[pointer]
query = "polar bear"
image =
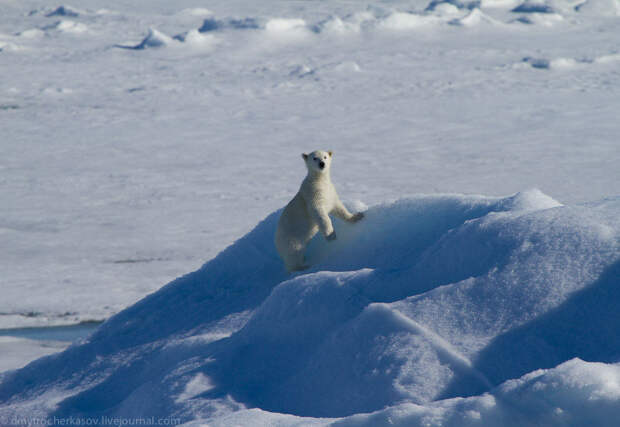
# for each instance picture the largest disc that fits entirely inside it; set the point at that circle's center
(309, 211)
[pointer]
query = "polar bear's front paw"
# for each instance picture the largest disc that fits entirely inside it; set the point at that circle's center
(331, 236)
(357, 217)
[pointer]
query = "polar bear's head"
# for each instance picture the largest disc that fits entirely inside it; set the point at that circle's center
(318, 161)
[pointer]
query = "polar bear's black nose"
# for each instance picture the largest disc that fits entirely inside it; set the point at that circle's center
(321, 164)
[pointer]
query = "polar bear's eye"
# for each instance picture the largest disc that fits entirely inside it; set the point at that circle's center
(324, 157)
(315, 159)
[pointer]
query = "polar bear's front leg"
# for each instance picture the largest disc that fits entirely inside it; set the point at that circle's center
(324, 223)
(341, 212)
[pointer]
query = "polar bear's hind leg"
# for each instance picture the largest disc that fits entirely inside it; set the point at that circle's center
(292, 253)
(294, 259)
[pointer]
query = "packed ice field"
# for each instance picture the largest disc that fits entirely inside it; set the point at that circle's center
(138, 140)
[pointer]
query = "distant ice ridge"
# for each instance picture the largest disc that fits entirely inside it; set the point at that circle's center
(437, 13)
(440, 307)
(373, 19)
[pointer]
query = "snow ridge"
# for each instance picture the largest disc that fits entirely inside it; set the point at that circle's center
(427, 301)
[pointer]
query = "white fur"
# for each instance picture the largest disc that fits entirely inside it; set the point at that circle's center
(309, 211)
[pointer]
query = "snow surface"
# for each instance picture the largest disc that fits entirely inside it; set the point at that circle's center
(445, 308)
(138, 139)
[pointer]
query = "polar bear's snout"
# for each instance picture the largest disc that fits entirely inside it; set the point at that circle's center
(321, 164)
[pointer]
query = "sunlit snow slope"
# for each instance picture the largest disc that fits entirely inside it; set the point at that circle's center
(427, 299)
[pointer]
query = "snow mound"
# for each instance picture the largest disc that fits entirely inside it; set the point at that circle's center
(214, 24)
(286, 30)
(33, 33)
(352, 23)
(543, 63)
(67, 26)
(533, 7)
(474, 18)
(64, 11)
(499, 4)
(284, 25)
(441, 308)
(607, 59)
(348, 67)
(195, 38)
(574, 393)
(445, 9)
(153, 39)
(569, 63)
(157, 39)
(435, 4)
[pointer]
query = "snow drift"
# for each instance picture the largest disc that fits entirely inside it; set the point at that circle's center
(433, 307)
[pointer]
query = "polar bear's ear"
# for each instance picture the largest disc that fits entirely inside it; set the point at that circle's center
(330, 152)
(304, 156)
